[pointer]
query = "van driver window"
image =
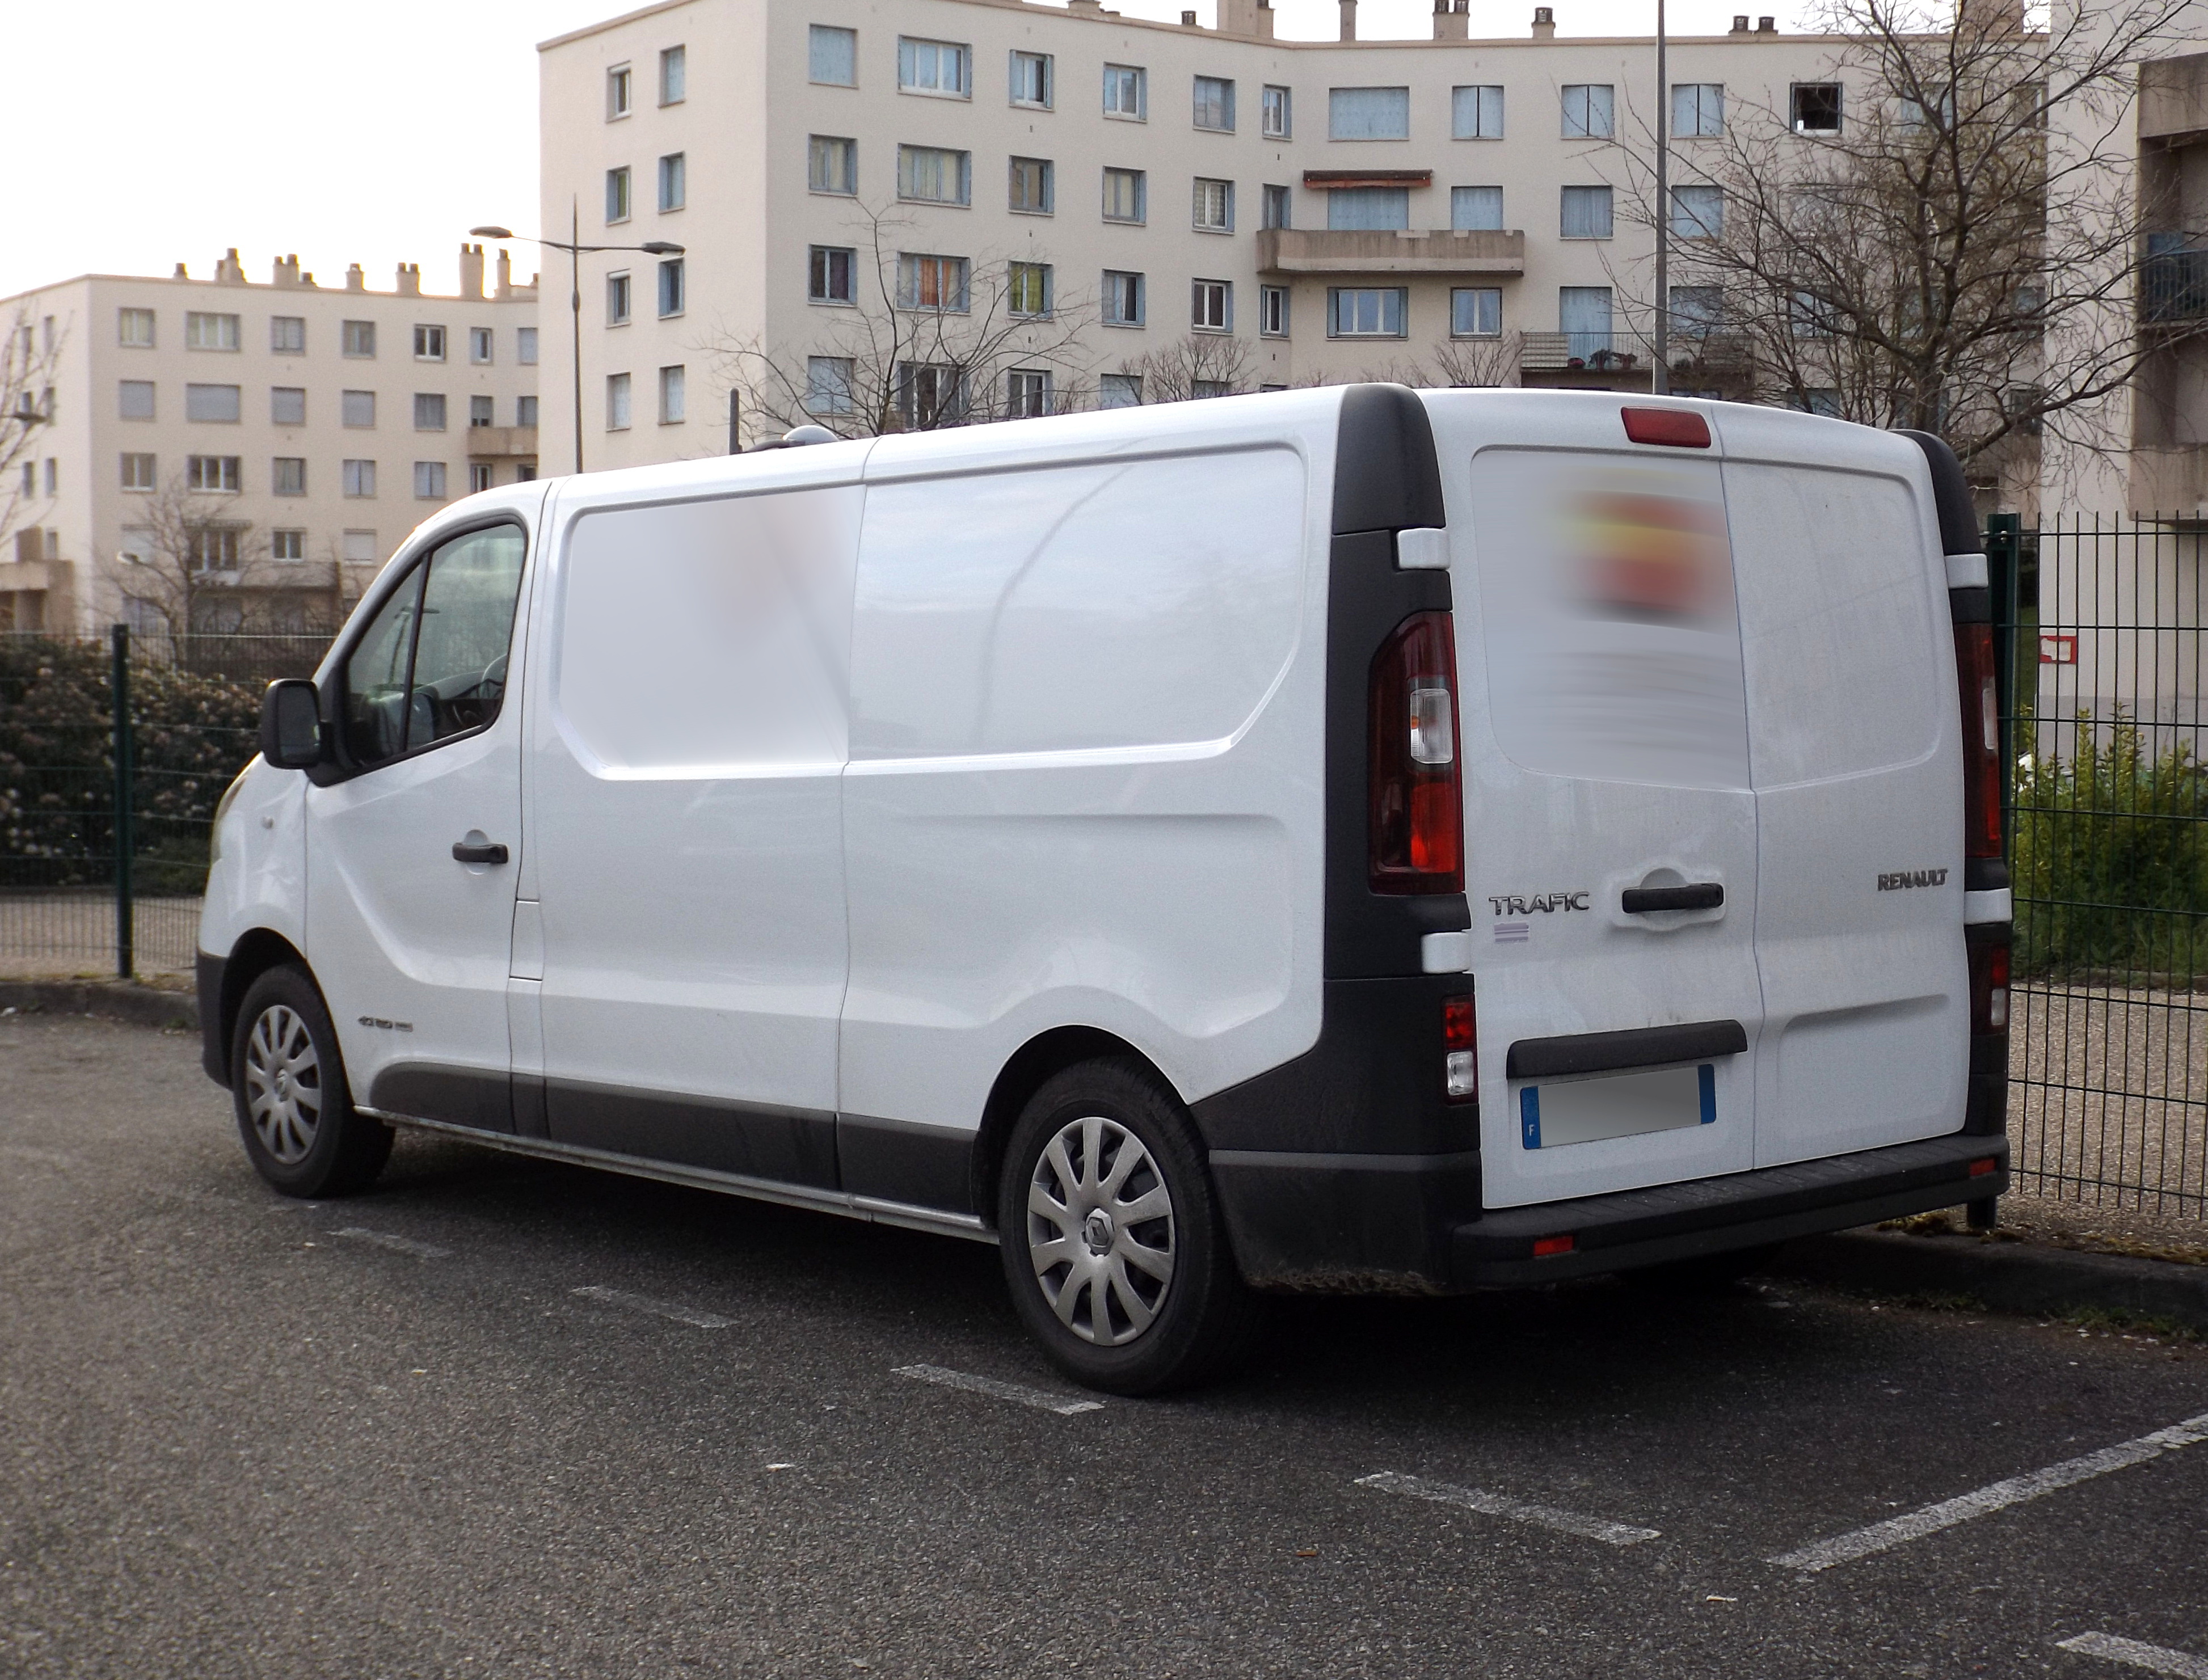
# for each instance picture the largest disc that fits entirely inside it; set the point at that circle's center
(433, 663)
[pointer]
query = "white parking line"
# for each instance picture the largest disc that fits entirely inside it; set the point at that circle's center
(674, 1310)
(2155, 1659)
(1041, 1400)
(397, 1244)
(1897, 1531)
(1518, 1510)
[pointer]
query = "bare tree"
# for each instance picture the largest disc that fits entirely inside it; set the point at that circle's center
(1956, 250)
(198, 570)
(1200, 364)
(1470, 361)
(928, 342)
(27, 363)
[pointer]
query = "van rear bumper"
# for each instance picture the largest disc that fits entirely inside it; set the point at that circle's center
(1366, 1224)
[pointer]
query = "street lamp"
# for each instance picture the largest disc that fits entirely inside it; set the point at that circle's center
(574, 248)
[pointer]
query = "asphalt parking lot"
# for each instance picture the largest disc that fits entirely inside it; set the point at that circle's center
(508, 1418)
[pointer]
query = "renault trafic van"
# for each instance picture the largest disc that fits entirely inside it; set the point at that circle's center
(1343, 840)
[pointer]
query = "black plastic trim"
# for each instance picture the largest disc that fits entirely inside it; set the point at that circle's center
(1386, 476)
(214, 1044)
(1974, 605)
(1354, 1224)
(895, 1160)
(795, 1146)
(1985, 874)
(1648, 900)
(1951, 496)
(474, 1097)
(1635, 1046)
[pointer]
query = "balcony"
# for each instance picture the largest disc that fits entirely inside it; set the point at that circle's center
(2174, 283)
(1592, 352)
(1289, 250)
(501, 443)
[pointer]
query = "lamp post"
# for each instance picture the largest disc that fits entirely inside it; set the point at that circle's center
(574, 248)
(1660, 376)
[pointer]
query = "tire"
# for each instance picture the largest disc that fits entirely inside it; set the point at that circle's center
(295, 1112)
(1112, 1243)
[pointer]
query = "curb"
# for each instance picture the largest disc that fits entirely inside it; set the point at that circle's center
(2006, 1277)
(142, 1005)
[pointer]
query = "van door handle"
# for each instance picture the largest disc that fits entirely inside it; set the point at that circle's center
(1696, 896)
(490, 851)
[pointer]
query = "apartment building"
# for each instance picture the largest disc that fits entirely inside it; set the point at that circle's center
(285, 435)
(1088, 195)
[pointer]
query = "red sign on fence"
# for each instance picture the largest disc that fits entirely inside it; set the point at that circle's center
(2057, 650)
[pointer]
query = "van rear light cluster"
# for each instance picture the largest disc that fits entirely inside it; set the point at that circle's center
(1974, 673)
(1460, 1050)
(1415, 833)
(1990, 987)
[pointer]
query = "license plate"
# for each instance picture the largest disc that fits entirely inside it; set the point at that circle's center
(1617, 1105)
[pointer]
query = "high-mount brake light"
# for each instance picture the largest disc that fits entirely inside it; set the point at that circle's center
(1460, 1050)
(1415, 825)
(1680, 428)
(1974, 675)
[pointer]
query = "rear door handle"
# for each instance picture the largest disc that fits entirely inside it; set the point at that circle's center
(490, 851)
(1696, 896)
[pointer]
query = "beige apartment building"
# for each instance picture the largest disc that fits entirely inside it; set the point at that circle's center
(251, 451)
(1093, 207)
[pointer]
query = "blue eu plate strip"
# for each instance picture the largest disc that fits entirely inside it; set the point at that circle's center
(1706, 1077)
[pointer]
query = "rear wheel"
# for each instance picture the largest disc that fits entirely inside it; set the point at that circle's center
(1111, 1239)
(295, 1112)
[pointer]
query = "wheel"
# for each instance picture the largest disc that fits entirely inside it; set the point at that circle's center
(1111, 1239)
(294, 1110)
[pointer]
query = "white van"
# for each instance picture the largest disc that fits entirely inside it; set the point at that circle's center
(1349, 840)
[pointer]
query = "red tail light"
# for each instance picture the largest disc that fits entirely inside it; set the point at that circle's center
(1415, 831)
(1460, 1050)
(1974, 673)
(1990, 988)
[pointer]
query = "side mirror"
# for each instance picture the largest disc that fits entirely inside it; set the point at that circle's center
(291, 724)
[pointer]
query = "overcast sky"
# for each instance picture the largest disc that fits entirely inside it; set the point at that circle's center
(377, 134)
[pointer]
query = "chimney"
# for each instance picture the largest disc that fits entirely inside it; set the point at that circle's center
(410, 280)
(505, 275)
(1249, 19)
(1544, 23)
(355, 280)
(1348, 20)
(471, 271)
(1188, 19)
(1085, 8)
(182, 273)
(1740, 23)
(1265, 19)
(1767, 25)
(1450, 24)
(230, 271)
(286, 271)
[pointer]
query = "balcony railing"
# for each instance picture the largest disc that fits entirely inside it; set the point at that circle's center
(2174, 284)
(1295, 250)
(1596, 352)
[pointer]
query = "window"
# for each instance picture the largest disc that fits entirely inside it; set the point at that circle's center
(1475, 312)
(1697, 109)
(1369, 208)
(53, 476)
(360, 548)
(829, 268)
(672, 287)
(357, 339)
(524, 411)
(617, 402)
(617, 91)
(1809, 315)
(1583, 317)
(672, 183)
(357, 407)
(1697, 213)
(525, 346)
(287, 405)
(428, 411)
(1120, 390)
(1476, 113)
(1214, 104)
(828, 384)
(1124, 196)
(1273, 311)
(1696, 310)
(1211, 306)
(287, 335)
(1365, 312)
(287, 476)
(134, 328)
(1032, 76)
(1212, 206)
(479, 476)
(616, 300)
(672, 381)
(1028, 289)
(1815, 399)
(1589, 110)
(1816, 107)
(358, 478)
(212, 547)
(1200, 388)
(934, 175)
(1368, 113)
(1586, 212)
(204, 331)
(134, 399)
(617, 193)
(481, 412)
(1273, 209)
(939, 69)
(930, 394)
(831, 164)
(1938, 113)
(674, 76)
(1126, 92)
(1476, 209)
(1277, 115)
(479, 346)
(932, 283)
(217, 403)
(1033, 189)
(1123, 298)
(211, 472)
(431, 664)
(1027, 393)
(428, 344)
(831, 56)
(138, 473)
(287, 544)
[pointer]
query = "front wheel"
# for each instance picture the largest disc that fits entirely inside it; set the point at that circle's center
(1113, 1242)
(295, 1112)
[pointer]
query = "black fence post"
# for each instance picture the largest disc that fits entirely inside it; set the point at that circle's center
(2004, 557)
(125, 842)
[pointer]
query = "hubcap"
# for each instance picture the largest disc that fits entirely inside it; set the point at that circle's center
(1100, 1231)
(283, 1083)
